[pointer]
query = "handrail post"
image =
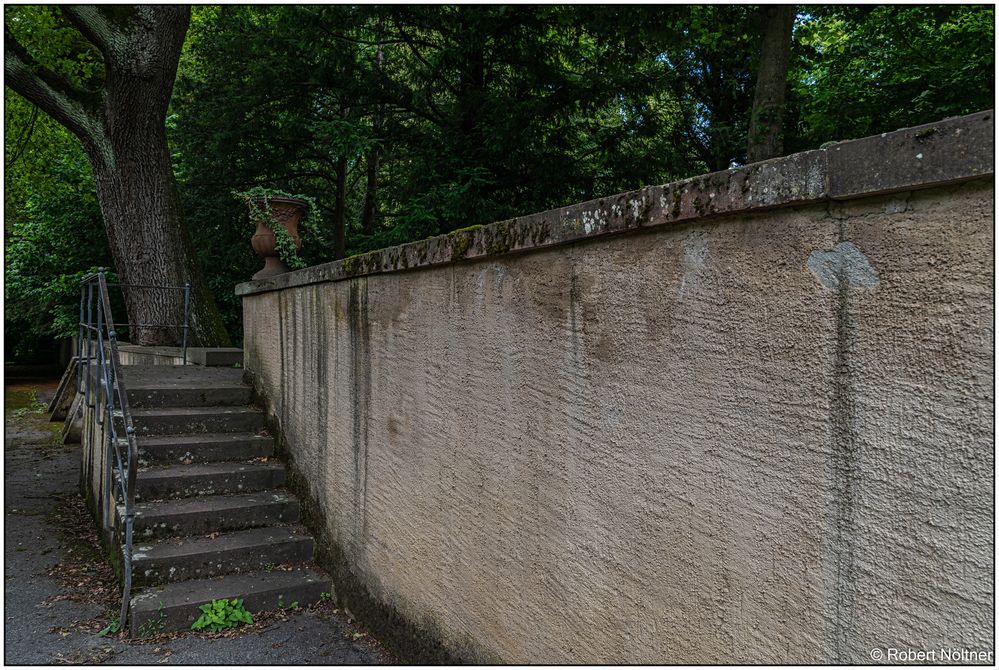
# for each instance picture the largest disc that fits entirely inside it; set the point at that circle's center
(79, 342)
(108, 502)
(90, 332)
(127, 558)
(100, 391)
(187, 312)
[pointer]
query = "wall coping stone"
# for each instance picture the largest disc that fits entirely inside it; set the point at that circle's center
(950, 151)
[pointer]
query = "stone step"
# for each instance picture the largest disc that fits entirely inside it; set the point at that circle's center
(188, 420)
(204, 447)
(184, 386)
(208, 514)
(205, 479)
(188, 396)
(139, 376)
(195, 557)
(174, 606)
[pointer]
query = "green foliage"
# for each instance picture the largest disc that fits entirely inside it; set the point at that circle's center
(478, 113)
(54, 232)
(34, 406)
(221, 614)
(871, 69)
(481, 113)
(46, 33)
(152, 626)
(711, 64)
(111, 628)
(258, 202)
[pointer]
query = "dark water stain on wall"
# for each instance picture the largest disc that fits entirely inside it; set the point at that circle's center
(322, 381)
(843, 269)
(283, 363)
(361, 397)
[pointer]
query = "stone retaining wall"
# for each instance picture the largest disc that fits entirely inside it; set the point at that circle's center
(746, 417)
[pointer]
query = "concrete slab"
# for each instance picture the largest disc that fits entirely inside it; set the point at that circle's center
(184, 386)
(178, 420)
(207, 479)
(175, 606)
(181, 558)
(204, 448)
(206, 514)
(58, 407)
(174, 376)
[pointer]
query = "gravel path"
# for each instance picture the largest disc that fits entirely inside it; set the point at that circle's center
(59, 592)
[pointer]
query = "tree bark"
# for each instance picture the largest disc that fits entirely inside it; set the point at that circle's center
(370, 210)
(340, 211)
(766, 123)
(122, 130)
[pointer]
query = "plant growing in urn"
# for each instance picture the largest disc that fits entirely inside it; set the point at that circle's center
(276, 215)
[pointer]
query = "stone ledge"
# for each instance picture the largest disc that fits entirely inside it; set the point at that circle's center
(945, 152)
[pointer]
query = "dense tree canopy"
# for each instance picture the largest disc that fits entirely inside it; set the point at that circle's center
(408, 121)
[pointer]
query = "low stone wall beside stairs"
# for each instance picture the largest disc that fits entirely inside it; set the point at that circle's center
(742, 418)
(133, 354)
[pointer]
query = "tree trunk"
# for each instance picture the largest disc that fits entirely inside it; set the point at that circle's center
(370, 210)
(150, 242)
(766, 123)
(471, 87)
(370, 194)
(122, 129)
(340, 211)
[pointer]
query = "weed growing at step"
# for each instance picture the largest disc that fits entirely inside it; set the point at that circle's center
(218, 615)
(34, 406)
(111, 628)
(153, 626)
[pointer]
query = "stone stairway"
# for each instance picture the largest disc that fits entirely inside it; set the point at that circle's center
(212, 520)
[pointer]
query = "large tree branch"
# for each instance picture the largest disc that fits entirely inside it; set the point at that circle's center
(53, 93)
(94, 25)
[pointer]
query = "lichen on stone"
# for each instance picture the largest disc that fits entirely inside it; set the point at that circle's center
(350, 263)
(461, 241)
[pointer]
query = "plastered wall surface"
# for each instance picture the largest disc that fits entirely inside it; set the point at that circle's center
(762, 437)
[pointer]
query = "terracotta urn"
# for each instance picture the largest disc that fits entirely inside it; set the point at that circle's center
(288, 212)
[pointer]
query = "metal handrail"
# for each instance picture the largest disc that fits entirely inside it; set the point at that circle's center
(184, 327)
(100, 366)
